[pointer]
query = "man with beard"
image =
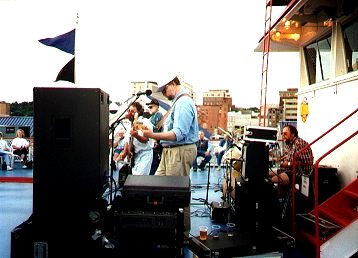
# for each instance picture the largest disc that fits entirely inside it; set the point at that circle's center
(293, 144)
(138, 148)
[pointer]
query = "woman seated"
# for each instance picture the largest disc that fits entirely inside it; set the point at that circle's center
(20, 146)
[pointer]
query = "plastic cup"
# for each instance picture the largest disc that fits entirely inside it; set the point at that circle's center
(203, 233)
(215, 230)
(230, 229)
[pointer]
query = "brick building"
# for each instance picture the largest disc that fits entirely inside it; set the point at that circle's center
(214, 111)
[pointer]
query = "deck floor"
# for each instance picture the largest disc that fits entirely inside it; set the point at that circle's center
(16, 203)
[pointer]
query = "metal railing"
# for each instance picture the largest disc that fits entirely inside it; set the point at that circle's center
(315, 190)
(315, 175)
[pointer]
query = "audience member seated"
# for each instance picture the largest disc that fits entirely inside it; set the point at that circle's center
(21, 146)
(5, 152)
(220, 150)
(203, 150)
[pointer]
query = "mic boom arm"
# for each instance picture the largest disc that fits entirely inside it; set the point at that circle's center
(148, 92)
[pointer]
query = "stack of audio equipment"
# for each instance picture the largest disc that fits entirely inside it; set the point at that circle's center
(159, 192)
(260, 134)
(150, 218)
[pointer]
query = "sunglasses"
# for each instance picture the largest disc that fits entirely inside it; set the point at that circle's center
(150, 107)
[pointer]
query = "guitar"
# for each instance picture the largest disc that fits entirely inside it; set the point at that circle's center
(136, 125)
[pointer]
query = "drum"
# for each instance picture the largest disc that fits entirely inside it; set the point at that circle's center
(234, 174)
(232, 153)
(232, 158)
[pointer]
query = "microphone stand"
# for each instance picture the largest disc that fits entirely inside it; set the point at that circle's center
(112, 128)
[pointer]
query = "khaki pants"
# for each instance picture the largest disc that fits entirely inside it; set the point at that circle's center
(177, 161)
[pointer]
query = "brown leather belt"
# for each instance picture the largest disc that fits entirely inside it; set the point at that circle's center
(176, 145)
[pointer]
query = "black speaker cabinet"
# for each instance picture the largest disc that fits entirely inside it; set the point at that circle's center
(71, 165)
(255, 164)
(256, 208)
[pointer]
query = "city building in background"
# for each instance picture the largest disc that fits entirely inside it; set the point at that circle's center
(4, 108)
(273, 114)
(215, 108)
(288, 105)
(238, 120)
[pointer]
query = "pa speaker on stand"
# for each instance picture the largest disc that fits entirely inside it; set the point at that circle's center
(254, 196)
(71, 164)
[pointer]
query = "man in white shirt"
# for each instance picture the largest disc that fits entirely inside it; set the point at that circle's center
(5, 152)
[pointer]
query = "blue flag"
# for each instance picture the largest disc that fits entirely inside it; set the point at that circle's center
(64, 42)
(67, 72)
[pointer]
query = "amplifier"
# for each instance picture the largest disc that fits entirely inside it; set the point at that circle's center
(260, 134)
(220, 212)
(147, 219)
(159, 192)
(160, 233)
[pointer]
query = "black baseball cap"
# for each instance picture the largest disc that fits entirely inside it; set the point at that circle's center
(153, 102)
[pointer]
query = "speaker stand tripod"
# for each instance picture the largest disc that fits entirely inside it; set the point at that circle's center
(206, 200)
(227, 196)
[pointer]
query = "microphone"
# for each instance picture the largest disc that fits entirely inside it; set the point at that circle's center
(147, 92)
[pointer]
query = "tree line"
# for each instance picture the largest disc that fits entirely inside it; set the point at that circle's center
(22, 109)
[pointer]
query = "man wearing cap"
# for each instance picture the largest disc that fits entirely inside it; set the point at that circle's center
(179, 136)
(155, 117)
(180, 132)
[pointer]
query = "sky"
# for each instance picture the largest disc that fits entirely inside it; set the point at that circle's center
(210, 43)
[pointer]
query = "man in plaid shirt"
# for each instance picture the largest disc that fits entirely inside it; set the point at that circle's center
(304, 161)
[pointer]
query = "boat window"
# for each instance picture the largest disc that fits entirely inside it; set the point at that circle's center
(350, 37)
(318, 55)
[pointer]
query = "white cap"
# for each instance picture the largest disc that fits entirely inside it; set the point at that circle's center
(162, 84)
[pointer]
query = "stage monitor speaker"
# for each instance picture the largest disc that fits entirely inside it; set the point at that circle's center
(71, 164)
(255, 166)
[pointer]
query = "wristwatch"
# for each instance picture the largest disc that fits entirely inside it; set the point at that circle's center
(289, 164)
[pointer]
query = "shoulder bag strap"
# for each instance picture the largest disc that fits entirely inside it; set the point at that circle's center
(161, 122)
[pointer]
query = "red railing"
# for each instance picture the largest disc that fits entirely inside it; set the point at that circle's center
(315, 190)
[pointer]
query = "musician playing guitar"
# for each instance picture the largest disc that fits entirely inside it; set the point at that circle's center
(138, 149)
